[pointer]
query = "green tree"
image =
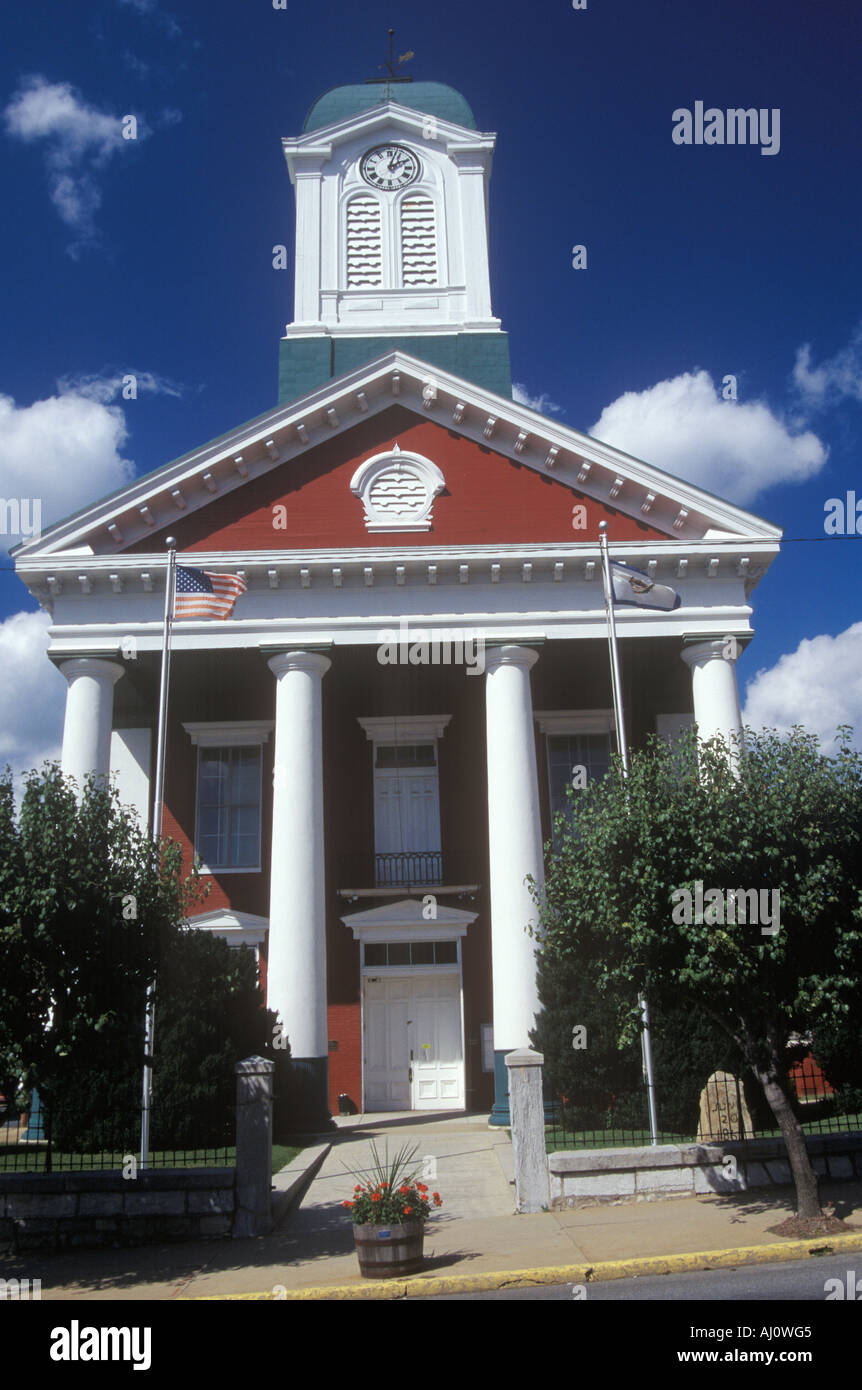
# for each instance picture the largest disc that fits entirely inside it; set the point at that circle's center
(88, 907)
(778, 817)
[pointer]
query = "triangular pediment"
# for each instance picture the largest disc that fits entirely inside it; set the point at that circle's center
(410, 915)
(215, 479)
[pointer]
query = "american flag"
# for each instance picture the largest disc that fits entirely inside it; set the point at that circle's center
(200, 594)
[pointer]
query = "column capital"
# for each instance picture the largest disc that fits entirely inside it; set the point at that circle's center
(313, 662)
(699, 649)
(510, 655)
(100, 667)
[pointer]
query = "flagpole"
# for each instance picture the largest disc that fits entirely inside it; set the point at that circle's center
(156, 834)
(622, 749)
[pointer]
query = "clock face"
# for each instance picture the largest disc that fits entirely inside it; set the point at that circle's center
(389, 167)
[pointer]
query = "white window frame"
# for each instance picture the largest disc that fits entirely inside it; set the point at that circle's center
(585, 721)
(237, 733)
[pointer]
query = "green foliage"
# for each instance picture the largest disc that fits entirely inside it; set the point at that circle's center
(785, 818)
(90, 913)
(837, 1046)
(200, 1034)
(603, 1083)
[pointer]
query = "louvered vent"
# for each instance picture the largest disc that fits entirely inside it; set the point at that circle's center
(364, 248)
(418, 242)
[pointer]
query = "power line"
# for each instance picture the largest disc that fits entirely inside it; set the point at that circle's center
(707, 544)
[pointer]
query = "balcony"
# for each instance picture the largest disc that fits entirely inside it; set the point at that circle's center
(391, 874)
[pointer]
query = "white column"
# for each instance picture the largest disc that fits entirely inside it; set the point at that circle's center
(714, 687)
(89, 711)
(296, 964)
(515, 842)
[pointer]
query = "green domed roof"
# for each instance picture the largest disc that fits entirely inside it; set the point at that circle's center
(432, 98)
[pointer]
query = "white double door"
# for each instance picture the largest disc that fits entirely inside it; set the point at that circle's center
(414, 1055)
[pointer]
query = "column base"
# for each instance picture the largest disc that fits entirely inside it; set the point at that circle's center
(500, 1114)
(302, 1097)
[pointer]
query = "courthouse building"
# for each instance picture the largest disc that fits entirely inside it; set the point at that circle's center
(367, 754)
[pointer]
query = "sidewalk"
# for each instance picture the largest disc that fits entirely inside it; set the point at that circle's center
(475, 1234)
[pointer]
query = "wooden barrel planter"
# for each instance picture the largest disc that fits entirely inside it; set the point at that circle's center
(386, 1252)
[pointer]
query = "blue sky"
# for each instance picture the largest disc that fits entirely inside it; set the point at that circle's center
(154, 256)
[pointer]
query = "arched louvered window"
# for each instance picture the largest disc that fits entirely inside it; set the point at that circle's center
(418, 242)
(364, 243)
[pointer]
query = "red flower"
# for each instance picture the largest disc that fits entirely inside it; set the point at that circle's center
(407, 1211)
(384, 1184)
(375, 1196)
(404, 1189)
(420, 1187)
(347, 1204)
(357, 1188)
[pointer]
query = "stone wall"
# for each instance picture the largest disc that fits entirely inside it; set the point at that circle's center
(59, 1211)
(591, 1176)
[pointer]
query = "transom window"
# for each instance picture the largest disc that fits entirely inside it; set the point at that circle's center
(228, 807)
(405, 755)
(382, 953)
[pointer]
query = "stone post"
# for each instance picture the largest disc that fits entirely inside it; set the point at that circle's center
(532, 1187)
(253, 1147)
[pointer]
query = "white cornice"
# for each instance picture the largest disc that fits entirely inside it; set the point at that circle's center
(130, 578)
(234, 733)
(582, 721)
(316, 146)
(404, 729)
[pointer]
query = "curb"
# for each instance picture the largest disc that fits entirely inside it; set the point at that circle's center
(288, 1182)
(421, 1286)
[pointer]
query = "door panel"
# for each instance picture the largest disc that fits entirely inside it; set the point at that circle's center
(387, 1064)
(438, 1068)
(419, 1013)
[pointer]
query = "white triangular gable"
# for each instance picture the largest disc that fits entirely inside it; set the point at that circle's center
(595, 470)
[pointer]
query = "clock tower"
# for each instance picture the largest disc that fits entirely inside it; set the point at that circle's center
(391, 185)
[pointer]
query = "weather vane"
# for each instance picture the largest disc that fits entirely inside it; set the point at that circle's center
(390, 67)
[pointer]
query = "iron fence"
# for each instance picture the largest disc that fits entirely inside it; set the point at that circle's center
(32, 1143)
(730, 1108)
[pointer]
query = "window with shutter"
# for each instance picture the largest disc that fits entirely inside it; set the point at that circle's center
(364, 244)
(418, 242)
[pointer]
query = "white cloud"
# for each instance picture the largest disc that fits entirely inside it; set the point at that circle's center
(152, 11)
(32, 694)
(78, 141)
(837, 378)
(62, 452)
(542, 403)
(818, 685)
(736, 449)
(106, 387)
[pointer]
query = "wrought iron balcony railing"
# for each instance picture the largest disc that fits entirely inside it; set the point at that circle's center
(409, 867)
(418, 868)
